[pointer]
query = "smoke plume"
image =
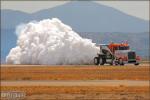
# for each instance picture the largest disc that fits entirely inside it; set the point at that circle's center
(51, 42)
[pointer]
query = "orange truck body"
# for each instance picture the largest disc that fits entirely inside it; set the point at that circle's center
(112, 46)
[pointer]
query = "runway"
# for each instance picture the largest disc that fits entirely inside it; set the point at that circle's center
(76, 83)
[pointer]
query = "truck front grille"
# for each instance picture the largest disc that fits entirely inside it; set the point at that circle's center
(131, 55)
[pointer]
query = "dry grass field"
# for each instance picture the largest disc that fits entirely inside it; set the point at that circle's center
(82, 92)
(75, 73)
(85, 72)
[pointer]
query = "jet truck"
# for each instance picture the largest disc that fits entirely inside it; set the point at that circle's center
(116, 54)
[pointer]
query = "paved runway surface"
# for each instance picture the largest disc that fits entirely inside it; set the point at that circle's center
(76, 83)
(107, 65)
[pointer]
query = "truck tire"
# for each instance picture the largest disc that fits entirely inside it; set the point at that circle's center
(117, 62)
(121, 62)
(136, 64)
(101, 61)
(112, 62)
(96, 60)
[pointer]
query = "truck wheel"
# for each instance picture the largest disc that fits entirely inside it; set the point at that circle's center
(96, 60)
(116, 62)
(121, 62)
(101, 61)
(112, 62)
(136, 64)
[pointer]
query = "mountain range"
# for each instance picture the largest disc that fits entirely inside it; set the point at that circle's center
(91, 20)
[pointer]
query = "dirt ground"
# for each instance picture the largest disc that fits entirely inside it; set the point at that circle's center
(77, 82)
(82, 92)
(74, 72)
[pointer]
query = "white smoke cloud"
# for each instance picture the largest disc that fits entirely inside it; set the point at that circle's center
(20, 28)
(51, 42)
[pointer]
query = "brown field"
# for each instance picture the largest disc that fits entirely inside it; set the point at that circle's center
(78, 72)
(82, 92)
(42, 73)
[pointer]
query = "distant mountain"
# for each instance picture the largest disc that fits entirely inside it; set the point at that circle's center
(82, 16)
(91, 20)
(8, 41)
(10, 18)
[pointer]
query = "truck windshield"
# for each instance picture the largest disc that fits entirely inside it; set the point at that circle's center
(123, 47)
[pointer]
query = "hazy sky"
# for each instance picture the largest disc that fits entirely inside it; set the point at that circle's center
(139, 9)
